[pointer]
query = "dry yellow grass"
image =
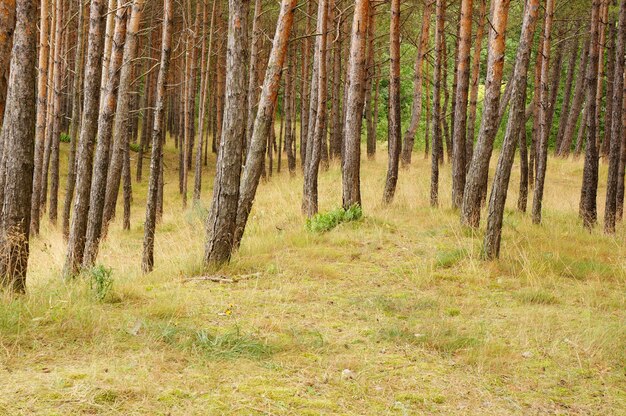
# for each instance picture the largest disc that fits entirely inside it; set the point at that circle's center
(401, 299)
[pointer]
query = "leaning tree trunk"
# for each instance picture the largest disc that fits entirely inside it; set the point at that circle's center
(88, 129)
(121, 141)
(105, 133)
(515, 123)
(18, 137)
(263, 123)
(616, 124)
(479, 166)
(222, 217)
(351, 166)
(544, 115)
(460, 118)
(589, 189)
(395, 126)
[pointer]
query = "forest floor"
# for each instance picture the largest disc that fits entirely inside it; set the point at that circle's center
(395, 314)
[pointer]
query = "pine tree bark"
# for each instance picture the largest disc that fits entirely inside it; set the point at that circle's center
(106, 120)
(589, 189)
(18, 138)
(478, 170)
(514, 126)
(7, 26)
(88, 129)
(567, 96)
(436, 112)
(394, 122)
(351, 167)
(264, 117)
(369, 70)
(460, 118)
(475, 82)
(616, 123)
(221, 221)
(544, 115)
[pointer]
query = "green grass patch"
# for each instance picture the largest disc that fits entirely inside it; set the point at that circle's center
(324, 222)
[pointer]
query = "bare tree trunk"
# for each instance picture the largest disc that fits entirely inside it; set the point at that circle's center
(608, 112)
(544, 115)
(619, 212)
(263, 122)
(351, 167)
(589, 189)
(479, 166)
(565, 108)
(515, 123)
(460, 118)
(289, 112)
(336, 135)
(79, 64)
(18, 138)
(42, 107)
(436, 113)
(577, 104)
(317, 118)
(522, 200)
(222, 217)
(7, 26)
(471, 118)
(253, 76)
(147, 263)
(369, 70)
(616, 124)
(306, 94)
(88, 129)
(121, 141)
(395, 126)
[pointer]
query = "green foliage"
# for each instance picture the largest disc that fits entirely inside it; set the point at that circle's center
(135, 147)
(325, 222)
(65, 138)
(100, 281)
(231, 344)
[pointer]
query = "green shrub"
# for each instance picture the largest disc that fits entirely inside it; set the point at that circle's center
(65, 138)
(100, 281)
(135, 147)
(324, 222)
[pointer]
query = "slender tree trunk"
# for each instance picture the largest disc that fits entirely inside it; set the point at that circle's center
(544, 115)
(619, 212)
(479, 166)
(460, 118)
(306, 94)
(7, 26)
(263, 122)
(88, 130)
(610, 76)
(514, 126)
(567, 94)
(351, 167)
(589, 189)
(394, 123)
(616, 123)
(369, 70)
(158, 133)
(436, 113)
(222, 217)
(522, 200)
(577, 104)
(336, 111)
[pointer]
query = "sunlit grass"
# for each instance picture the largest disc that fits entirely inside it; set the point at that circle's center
(401, 298)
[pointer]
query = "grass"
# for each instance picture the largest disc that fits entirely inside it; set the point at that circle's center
(403, 300)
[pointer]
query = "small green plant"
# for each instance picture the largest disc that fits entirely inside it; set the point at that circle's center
(134, 147)
(100, 281)
(325, 222)
(65, 138)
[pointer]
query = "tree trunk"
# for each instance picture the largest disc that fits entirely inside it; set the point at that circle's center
(88, 129)
(589, 189)
(544, 115)
(158, 132)
(436, 113)
(567, 93)
(460, 118)
(394, 121)
(577, 104)
(616, 123)
(514, 126)
(471, 118)
(18, 138)
(369, 70)
(263, 122)
(222, 217)
(7, 26)
(336, 111)
(479, 166)
(351, 167)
